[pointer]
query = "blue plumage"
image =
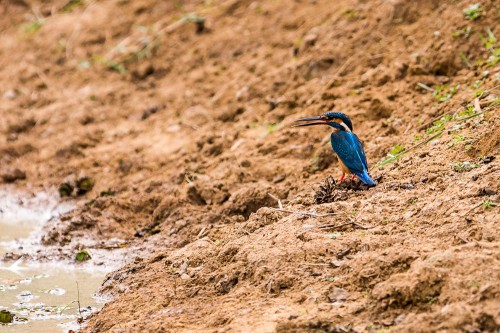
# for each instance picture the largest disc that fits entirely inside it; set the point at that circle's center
(344, 143)
(350, 151)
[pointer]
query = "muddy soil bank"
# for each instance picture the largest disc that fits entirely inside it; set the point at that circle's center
(180, 113)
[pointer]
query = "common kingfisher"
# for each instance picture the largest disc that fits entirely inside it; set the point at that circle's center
(345, 144)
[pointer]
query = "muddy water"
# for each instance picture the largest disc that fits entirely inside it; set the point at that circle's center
(43, 296)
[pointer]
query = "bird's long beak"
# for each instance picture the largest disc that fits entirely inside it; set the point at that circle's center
(319, 120)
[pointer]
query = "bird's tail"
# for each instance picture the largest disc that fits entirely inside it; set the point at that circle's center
(365, 178)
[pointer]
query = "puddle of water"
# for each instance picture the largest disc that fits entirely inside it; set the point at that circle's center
(22, 215)
(44, 294)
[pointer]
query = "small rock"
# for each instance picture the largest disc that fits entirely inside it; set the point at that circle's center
(13, 175)
(9, 94)
(486, 191)
(399, 319)
(338, 263)
(310, 39)
(341, 254)
(143, 71)
(150, 111)
(337, 295)
(279, 179)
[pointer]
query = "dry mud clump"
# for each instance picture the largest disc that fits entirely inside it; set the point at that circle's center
(179, 113)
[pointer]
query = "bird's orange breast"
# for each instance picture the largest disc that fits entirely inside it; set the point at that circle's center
(344, 168)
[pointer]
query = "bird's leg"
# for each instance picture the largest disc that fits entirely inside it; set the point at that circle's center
(353, 177)
(342, 178)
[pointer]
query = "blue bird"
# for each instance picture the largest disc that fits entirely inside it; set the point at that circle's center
(345, 144)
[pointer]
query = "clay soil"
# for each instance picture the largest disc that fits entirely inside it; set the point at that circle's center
(180, 114)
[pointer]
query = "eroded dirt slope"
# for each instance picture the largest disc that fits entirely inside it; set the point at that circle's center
(185, 129)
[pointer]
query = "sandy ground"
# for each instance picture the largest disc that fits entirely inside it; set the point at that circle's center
(184, 129)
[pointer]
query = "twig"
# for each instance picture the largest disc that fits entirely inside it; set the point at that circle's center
(304, 213)
(470, 210)
(314, 264)
(280, 205)
(477, 105)
(395, 157)
(334, 226)
(78, 300)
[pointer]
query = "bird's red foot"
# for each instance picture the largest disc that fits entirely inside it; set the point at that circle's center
(353, 177)
(341, 178)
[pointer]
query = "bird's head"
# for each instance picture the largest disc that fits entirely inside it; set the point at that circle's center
(336, 120)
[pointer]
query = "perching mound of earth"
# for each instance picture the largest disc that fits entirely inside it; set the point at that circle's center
(331, 190)
(178, 114)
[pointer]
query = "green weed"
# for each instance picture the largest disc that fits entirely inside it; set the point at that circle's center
(71, 5)
(458, 138)
(489, 204)
(463, 166)
(442, 93)
(462, 32)
(477, 84)
(272, 127)
(473, 12)
(490, 43)
(469, 110)
(82, 256)
(396, 150)
(32, 27)
(465, 60)
(438, 125)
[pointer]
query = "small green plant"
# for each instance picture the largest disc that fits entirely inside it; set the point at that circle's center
(417, 137)
(463, 166)
(32, 27)
(391, 158)
(272, 127)
(490, 43)
(469, 111)
(465, 60)
(489, 204)
(478, 93)
(6, 317)
(397, 149)
(458, 138)
(462, 32)
(71, 5)
(107, 193)
(82, 256)
(473, 12)
(477, 84)
(442, 93)
(438, 125)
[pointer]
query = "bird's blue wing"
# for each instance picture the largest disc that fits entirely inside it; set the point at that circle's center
(348, 148)
(360, 150)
